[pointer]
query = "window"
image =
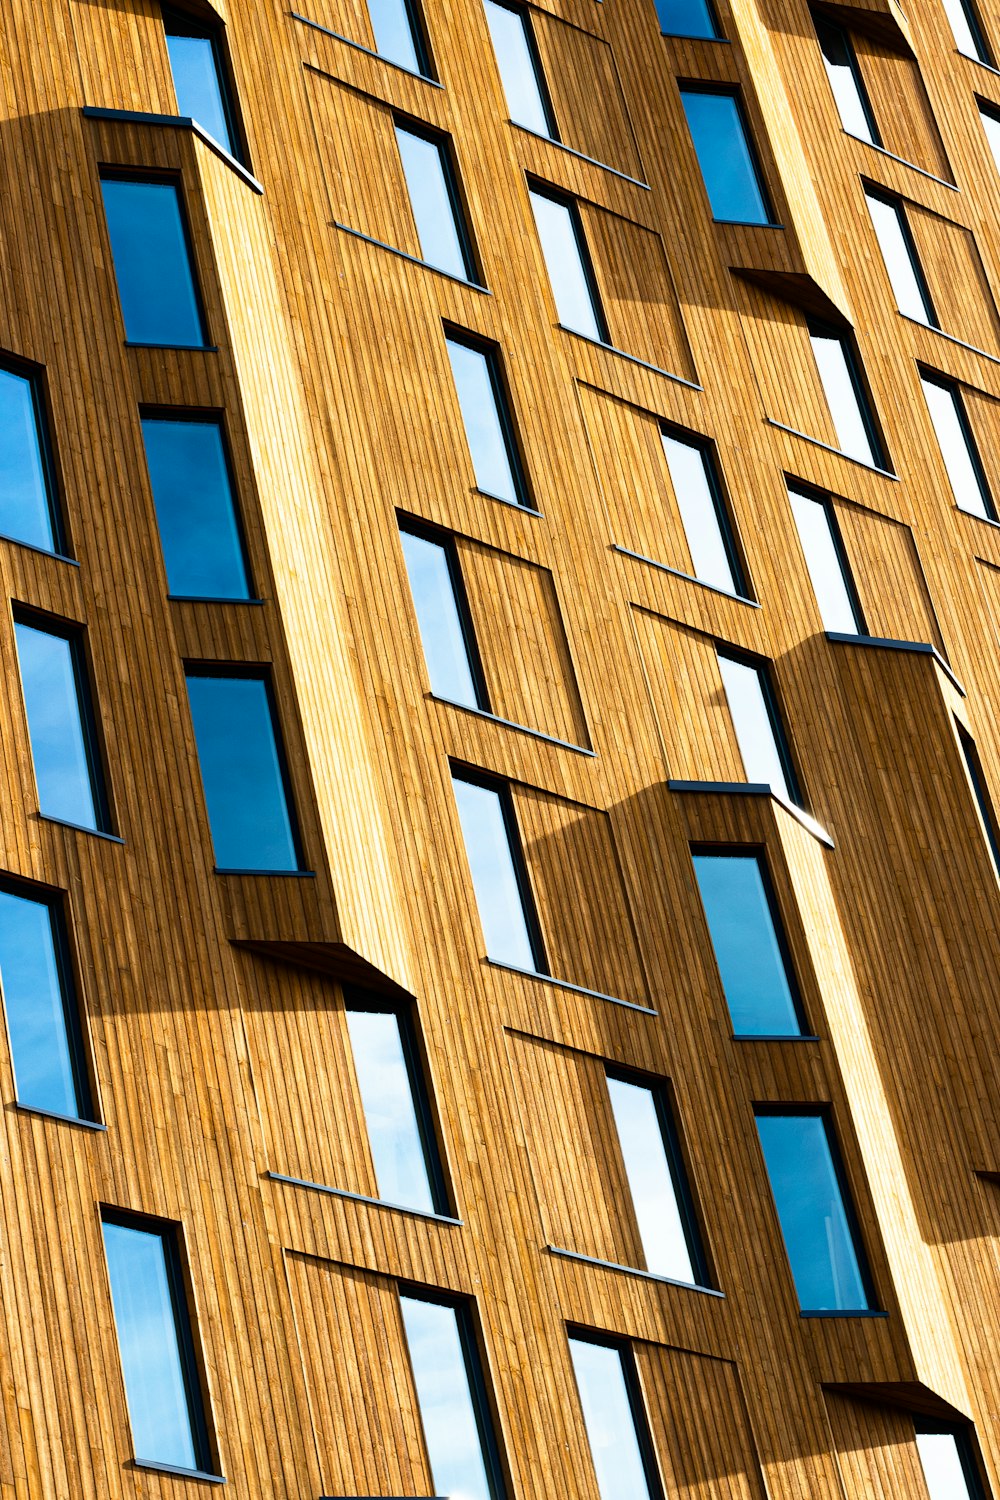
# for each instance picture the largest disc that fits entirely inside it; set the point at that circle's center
(520, 68)
(846, 82)
(446, 632)
(827, 564)
(759, 731)
(195, 508)
(162, 1389)
(958, 448)
(687, 18)
(499, 875)
(200, 78)
(616, 1426)
(451, 1395)
(489, 429)
(399, 35)
(845, 395)
(749, 944)
(430, 182)
(947, 1460)
(395, 1104)
(568, 263)
(60, 723)
(978, 782)
(728, 165)
(28, 511)
(816, 1217)
(242, 769)
(706, 525)
(967, 30)
(655, 1173)
(899, 253)
(43, 1019)
(153, 263)
(991, 124)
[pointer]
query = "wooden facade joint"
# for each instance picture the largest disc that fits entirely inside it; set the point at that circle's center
(536, 734)
(414, 260)
(679, 573)
(613, 1265)
(335, 959)
(581, 156)
(566, 984)
(829, 448)
(332, 1192)
(175, 122)
(338, 36)
(633, 359)
(884, 643)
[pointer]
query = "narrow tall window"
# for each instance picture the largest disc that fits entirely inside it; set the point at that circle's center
(816, 1216)
(947, 1461)
(990, 117)
(845, 394)
(846, 82)
(486, 417)
(655, 1173)
(399, 35)
(454, 1411)
(728, 164)
(446, 632)
(967, 30)
(153, 263)
(195, 508)
(520, 68)
(437, 213)
(687, 18)
(165, 1406)
(958, 448)
(978, 784)
(43, 1018)
(200, 80)
(706, 524)
(28, 511)
(617, 1431)
(900, 255)
(499, 875)
(61, 723)
(396, 1107)
(568, 264)
(242, 770)
(757, 722)
(749, 945)
(827, 562)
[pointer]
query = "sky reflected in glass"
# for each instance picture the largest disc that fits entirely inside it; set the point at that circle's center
(746, 945)
(152, 263)
(36, 1008)
(557, 231)
(518, 73)
(195, 509)
(907, 286)
(55, 727)
(25, 503)
(842, 397)
(433, 210)
(454, 1446)
(688, 465)
(394, 35)
(725, 158)
(494, 879)
(650, 1180)
(823, 562)
(440, 621)
(609, 1420)
(481, 416)
(752, 722)
(686, 18)
(852, 105)
(941, 1462)
(198, 86)
(390, 1112)
(963, 473)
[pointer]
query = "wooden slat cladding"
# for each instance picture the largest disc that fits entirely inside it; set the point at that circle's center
(586, 92)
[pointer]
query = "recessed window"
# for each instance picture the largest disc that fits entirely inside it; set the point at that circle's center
(656, 1180)
(687, 18)
(826, 561)
(399, 35)
(815, 1213)
(499, 875)
(434, 200)
(486, 417)
(759, 731)
(991, 124)
(200, 78)
(845, 394)
(451, 1395)
(520, 68)
(749, 945)
(153, 263)
(43, 1018)
(958, 448)
(706, 525)
(617, 1430)
(446, 632)
(243, 770)
(165, 1406)
(947, 1460)
(728, 165)
(967, 30)
(195, 508)
(568, 263)
(978, 783)
(900, 255)
(28, 511)
(846, 82)
(61, 724)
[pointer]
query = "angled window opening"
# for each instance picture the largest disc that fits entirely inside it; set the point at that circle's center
(490, 432)
(500, 879)
(694, 18)
(984, 803)
(990, 117)
(202, 78)
(400, 35)
(826, 561)
(520, 68)
(846, 82)
(902, 264)
(447, 633)
(29, 509)
(614, 1416)
(961, 458)
(153, 260)
(724, 148)
(967, 29)
(948, 1459)
(707, 526)
(757, 721)
(567, 260)
(846, 395)
(435, 201)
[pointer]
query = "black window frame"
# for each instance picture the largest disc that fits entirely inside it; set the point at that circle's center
(824, 498)
(541, 81)
(493, 357)
(965, 1446)
(570, 203)
(822, 22)
(898, 205)
(979, 40)
(954, 389)
(718, 35)
(179, 21)
(735, 92)
(764, 668)
(36, 377)
(445, 147)
(708, 449)
(623, 1347)
(425, 531)
(819, 328)
(977, 779)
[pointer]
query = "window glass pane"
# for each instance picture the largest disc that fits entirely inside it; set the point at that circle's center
(198, 81)
(518, 68)
(897, 252)
(447, 1409)
(559, 236)
(390, 1111)
(479, 396)
(47, 1071)
(814, 1221)
(944, 1471)
(152, 263)
(845, 81)
(745, 942)
(495, 876)
(842, 396)
(152, 1361)
(59, 737)
(686, 18)
(26, 510)
(825, 563)
(610, 1422)
(725, 158)
(966, 30)
(431, 199)
(651, 1181)
(755, 729)
(242, 773)
(195, 509)
(975, 771)
(991, 124)
(440, 617)
(970, 493)
(396, 37)
(696, 500)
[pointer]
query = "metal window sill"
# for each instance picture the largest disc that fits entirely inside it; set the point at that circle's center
(332, 1192)
(613, 1265)
(565, 984)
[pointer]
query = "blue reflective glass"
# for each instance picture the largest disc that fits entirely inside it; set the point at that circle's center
(47, 1070)
(477, 381)
(814, 1220)
(396, 35)
(444, 1395)
(391, 1117)
(686, 18)
(610, 1421)
(433, 201)
(440, 617)
(242, 773)
(727, 164)
(747, 949)
(195, 509)
(506, 925)
(198, 79)
(57, 727)
(26, 504)
(152, 263)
